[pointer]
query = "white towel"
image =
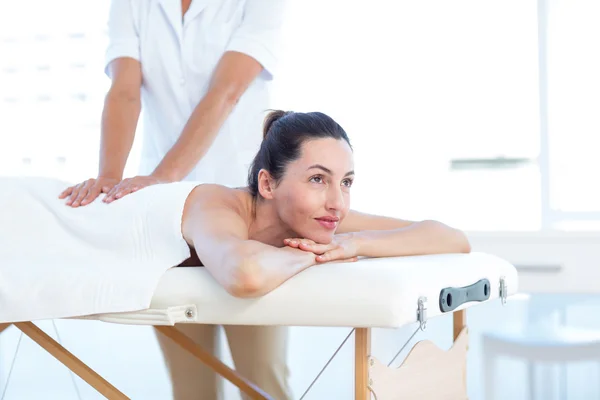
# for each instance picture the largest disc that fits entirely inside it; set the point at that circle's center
(57, 261)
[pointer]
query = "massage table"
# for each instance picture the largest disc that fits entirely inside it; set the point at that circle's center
(370, 293)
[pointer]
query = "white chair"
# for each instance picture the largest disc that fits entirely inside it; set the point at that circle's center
(539, 341)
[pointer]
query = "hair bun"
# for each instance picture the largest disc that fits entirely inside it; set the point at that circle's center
(271, 118)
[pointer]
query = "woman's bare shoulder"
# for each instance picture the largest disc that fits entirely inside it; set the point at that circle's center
(213, 213)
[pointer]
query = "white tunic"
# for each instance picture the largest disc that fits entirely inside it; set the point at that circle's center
(178, 56)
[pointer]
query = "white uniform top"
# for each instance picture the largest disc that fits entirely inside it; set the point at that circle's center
(178, 56)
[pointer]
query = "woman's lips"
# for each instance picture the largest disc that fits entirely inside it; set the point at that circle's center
(327, 223)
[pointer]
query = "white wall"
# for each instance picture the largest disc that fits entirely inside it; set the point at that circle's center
(128, 356)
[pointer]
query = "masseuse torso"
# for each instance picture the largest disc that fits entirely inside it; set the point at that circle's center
(182, 51)
(197, 74)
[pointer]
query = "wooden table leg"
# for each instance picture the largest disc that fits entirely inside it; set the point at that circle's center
(70, 361)
(459, 319)
(459, 322)
(3, 327)
(362, 350)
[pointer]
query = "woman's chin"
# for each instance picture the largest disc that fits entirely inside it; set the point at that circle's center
(323, 238)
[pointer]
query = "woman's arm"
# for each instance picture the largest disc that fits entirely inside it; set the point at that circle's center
(418, 238)
(379, 236)
(213, 225)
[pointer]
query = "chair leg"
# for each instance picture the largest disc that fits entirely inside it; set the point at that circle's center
(564, 388)
(531, 380)
(489, 374)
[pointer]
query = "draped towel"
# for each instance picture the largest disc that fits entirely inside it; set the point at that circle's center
(57, 261)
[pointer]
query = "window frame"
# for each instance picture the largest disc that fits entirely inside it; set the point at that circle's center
(550, 217)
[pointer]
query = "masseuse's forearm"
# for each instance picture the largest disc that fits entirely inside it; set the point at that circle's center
(419, 238)
(232, 76)
(197, 136)
(119, 120)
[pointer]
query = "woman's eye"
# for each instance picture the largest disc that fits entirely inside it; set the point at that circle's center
(347, 182)
(317, 179)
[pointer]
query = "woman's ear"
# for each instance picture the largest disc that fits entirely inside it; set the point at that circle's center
(266, 184)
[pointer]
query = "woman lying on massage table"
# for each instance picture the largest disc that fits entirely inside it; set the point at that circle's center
(108, 257)
(295, 213)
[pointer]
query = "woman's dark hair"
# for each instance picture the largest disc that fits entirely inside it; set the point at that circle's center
(284, 132)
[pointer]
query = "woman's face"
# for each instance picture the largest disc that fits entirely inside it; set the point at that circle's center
(314, 195)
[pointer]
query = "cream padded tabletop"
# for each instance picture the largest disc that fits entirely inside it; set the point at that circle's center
(379, 292)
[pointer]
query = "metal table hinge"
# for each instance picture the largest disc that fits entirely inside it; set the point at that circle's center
(422, 312)
(503, 292)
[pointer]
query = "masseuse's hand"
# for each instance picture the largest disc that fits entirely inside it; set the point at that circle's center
(341, 249)
(130, 185)
(87, 191)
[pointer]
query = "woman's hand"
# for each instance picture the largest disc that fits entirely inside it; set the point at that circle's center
(87, 191)
(341, 249)
(131, 185)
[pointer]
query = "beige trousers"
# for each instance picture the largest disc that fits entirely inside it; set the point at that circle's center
(258, 352)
